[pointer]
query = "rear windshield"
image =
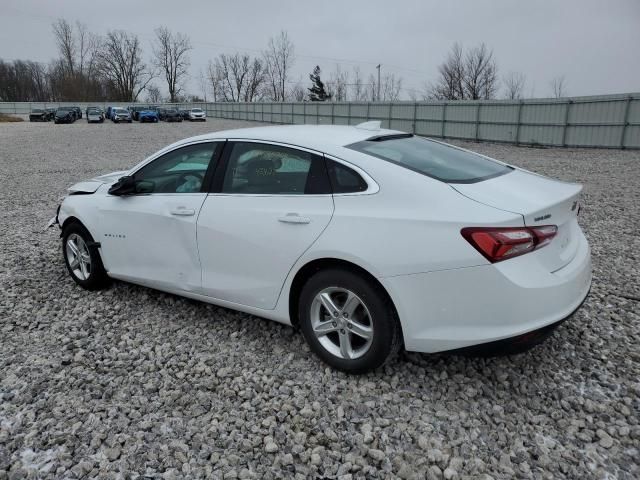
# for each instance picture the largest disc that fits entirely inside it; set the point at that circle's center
(436, 160)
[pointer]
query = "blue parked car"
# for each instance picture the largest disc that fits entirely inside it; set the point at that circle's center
(148, 116)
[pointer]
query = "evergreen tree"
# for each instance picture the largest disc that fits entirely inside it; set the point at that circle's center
(317, 93)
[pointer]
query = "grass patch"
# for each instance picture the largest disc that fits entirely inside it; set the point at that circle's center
(4, 118)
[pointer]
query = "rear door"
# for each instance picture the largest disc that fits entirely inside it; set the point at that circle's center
(269, 204)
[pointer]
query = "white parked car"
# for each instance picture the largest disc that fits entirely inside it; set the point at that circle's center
(120, 115)
(197, 114)
(368, 240)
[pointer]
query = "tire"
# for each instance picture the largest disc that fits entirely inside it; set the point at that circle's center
(129, 121)
(373, 316)
(88, 273)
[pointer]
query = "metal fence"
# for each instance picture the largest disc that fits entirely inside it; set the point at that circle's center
(607, 121)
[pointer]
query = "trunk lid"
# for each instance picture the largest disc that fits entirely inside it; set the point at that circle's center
(540, 201)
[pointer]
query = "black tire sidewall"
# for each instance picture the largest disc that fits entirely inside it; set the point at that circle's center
(382, 317)
(98, 277)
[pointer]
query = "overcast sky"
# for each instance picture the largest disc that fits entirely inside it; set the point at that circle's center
(594, 43)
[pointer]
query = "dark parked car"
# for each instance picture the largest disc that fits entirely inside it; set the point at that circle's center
(78, 112)
(184, 114)
(135, 111)
(162, 114)
(172, 115)
(38, 115)
(51, 112)
(64, 115)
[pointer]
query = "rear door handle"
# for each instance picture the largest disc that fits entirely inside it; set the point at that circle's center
(294, 218)
(183, 212)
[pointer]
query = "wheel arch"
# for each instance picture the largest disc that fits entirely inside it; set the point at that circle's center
(313, 266)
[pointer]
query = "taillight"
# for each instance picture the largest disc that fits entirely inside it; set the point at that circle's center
(500, 243)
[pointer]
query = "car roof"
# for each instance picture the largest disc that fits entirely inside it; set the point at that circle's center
(323, 138)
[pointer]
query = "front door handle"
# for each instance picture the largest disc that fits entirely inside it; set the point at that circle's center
(294, 218)
(183, 212)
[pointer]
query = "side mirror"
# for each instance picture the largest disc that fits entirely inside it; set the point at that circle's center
(124, 186)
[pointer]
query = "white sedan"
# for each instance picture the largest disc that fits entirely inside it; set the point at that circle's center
(368, 240)
(197, 114)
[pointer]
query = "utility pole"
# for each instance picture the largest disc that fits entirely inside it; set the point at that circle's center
(378, 67)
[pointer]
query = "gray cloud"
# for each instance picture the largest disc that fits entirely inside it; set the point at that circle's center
(592, 43)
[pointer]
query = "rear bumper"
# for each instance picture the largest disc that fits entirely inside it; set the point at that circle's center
(458, 308)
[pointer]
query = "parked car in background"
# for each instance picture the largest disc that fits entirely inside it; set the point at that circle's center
(162, 113)
(148, 116)
(64, 115)
(184, 114)
(120, 115)
(480, 254)
(78, 112)
(197, 114)
(94, 115)
(135, 111)
(38, 115)
(172, 115)
(51, 112)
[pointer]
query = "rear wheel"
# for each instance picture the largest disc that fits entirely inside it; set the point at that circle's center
(348, 321)
(82, 258)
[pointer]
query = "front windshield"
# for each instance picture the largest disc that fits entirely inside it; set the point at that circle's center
(196, 110)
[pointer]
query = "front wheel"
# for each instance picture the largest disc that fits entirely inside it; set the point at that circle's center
(348, 321)
(82, 258)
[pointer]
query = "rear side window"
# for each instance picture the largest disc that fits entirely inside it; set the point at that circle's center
(263, 169)
(444, 163)
(344, 179)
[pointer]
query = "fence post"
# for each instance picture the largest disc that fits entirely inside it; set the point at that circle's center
(566, 122)
(415, 116)
(332, 113)
(623, 134)
(519, 121)
(390, 113)
(477, 119)
(444, 118)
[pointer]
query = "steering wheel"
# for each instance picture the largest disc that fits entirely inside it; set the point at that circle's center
(182, 179)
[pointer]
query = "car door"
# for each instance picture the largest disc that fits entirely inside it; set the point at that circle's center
(268, 205)
(150, 237)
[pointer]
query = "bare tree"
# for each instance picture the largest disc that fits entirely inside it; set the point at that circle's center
(359, 88)
(238, 78)
(215, 81)
(153, 94)
(390, 87)
(473, 75)
(279, 59)
(480, 79)
(255, 79)
(450, 84)
(338, 84)
(298, 92)
(63, 33)
(514, 83)
(171, 56)
(121, 64)
(559, 87)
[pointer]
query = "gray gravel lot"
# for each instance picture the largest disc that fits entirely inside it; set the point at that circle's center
(134, 383)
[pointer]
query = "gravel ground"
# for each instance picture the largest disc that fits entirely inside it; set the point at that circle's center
(134, 383)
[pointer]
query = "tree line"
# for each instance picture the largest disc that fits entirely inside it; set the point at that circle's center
(112, 67)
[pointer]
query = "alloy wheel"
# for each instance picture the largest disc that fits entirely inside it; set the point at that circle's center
(78, 256)
(341, 322)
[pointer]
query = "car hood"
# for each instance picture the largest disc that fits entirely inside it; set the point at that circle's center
(90, 186)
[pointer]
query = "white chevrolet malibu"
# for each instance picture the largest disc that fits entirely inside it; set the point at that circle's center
(368, 240)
